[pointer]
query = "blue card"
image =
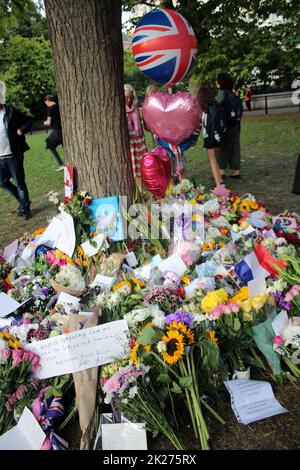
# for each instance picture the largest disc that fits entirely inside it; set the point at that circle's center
(107, 217)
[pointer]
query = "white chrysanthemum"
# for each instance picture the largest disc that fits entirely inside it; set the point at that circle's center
(277, 286)
(70, 276)
(151, 313)
(21, 331)
(291, 334)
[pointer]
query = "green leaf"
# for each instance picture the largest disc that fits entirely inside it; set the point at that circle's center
(186, 381)
(150, 335)
(164, 378)
(236, 324)
(175, 388)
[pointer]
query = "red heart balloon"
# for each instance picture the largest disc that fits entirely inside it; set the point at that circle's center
(172, 117)
(156, 171)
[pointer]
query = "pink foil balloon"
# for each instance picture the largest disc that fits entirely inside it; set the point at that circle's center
(156, 171)
(172, 117)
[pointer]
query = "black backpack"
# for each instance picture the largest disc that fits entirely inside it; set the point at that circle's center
(233, 108)
(216, 121)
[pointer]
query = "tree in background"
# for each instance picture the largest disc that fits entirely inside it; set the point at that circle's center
(237, 35)
(26, 66)
(88, 55)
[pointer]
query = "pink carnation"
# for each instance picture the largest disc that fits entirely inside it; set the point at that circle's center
(112, 385)
(278, 340)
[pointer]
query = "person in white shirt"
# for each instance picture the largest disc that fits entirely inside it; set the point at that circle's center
(13, 125)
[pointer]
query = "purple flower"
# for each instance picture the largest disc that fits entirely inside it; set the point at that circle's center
(180, 317)
(45, 291)
(286, 305)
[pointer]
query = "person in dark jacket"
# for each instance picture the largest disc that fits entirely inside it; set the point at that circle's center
(55, 138)
(13, 126)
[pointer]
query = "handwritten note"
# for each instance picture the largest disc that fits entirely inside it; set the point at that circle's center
(80, 350)
(104, 282)
(65, 298)
(173, 264)
(253, 400)
(91, 250)
(26, 435)
(124, 436)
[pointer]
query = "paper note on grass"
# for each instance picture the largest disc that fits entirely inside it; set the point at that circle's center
(10, 251)
(91, 250)
(9, 305)
(124, 436)
(67, 239)
(252, 400)
(80, 350)
(26, 435)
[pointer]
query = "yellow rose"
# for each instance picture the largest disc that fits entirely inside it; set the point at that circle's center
(246, 305)
(259, 301)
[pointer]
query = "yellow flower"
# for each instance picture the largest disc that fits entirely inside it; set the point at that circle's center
(39, 232)
(14, 344)
(186, 279)
(175, 346)
(259, 301)
(246, 305)
(134, 357)
(241, 295)
(188, 335)
(6, 335)
(212, 336)
(136, 281)
(248, 316)
(212, 299)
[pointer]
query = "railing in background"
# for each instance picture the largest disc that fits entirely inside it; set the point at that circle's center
(273, 101)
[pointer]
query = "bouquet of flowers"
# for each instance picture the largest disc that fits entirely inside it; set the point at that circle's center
(69, 279)
(129, 390)
(17, 386)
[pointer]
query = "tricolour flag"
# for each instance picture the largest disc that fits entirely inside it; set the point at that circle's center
(259, 263)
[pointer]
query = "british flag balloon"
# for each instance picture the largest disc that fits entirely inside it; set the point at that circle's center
(164, 46)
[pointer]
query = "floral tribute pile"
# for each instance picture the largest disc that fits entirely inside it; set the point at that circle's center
(188, 332)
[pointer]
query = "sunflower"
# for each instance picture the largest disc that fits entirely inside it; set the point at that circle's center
(212, 336)
(175, 346)
(186, 332)
(134, 355)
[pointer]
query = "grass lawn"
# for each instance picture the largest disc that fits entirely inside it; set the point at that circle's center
(270, 145)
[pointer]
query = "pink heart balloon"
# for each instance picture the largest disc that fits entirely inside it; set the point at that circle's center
(172, 117)
(156, 171)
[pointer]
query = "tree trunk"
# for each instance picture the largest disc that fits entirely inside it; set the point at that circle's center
(88, 55)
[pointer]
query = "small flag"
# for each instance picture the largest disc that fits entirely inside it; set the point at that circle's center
(257, 264)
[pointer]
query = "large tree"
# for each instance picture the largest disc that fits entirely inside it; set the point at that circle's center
(88, 57)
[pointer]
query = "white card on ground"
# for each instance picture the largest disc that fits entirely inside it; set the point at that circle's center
(67, 240)
(258, 223)
(105, 282)
(173, 264)
(280, 322)
(257, 286)
(91, 250)
(80, 350)
(8, 305)
(269, 233)
(5, 321)
(26, 435)
(51, 234)
(131, 259)
(252, 400)
(124, 436)
(65, 298)
(10, 251)
(258, 214)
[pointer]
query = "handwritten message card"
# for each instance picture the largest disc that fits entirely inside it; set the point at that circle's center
(80, 350)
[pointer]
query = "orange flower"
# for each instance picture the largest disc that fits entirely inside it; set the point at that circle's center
(39, 231)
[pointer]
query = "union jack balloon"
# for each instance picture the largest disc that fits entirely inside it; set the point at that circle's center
(164, 46)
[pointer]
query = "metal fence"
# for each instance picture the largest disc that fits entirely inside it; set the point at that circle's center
(274, 101)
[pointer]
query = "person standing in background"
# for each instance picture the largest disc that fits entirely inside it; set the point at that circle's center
(137, 141)
(248, 97)
(229, 153)
(55, 138)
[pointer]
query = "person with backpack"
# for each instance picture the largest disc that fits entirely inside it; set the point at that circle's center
(214, 127)
(229, 152)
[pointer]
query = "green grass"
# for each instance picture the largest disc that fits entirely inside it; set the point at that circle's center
(270, 146)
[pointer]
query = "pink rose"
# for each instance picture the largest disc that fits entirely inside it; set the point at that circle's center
(26, 321)
(227, 309)
(235, 308)
(278, 340)
(20, 392)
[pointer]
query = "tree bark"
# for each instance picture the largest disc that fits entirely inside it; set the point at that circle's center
(88, 55)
